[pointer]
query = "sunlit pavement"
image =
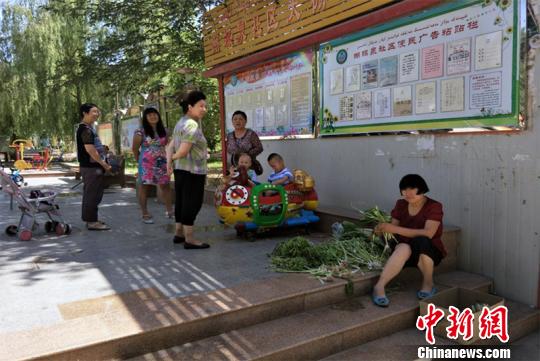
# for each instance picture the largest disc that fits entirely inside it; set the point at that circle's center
(39, 275)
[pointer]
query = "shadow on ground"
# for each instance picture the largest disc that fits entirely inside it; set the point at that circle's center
(43, 278)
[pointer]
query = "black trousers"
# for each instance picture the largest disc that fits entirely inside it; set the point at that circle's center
(92, 192)
(189, 189)
(422, 245)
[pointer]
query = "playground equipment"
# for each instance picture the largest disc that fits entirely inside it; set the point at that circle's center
(38, 202)
(35, 159)
(19, 145)
(255, 209)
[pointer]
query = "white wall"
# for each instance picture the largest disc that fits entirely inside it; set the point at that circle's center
(489, 186)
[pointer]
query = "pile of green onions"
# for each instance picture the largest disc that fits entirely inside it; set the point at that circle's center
(356, 249)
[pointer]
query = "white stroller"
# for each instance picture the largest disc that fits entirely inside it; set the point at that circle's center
(38, 202)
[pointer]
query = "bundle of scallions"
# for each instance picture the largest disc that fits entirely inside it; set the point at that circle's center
(373, 216)
(354, 249)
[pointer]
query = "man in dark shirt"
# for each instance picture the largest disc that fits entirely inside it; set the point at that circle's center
(90, 154)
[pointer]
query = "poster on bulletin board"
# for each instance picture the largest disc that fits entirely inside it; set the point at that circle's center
(454, 66)
(105, 133)
(129, 126)
(276, 96)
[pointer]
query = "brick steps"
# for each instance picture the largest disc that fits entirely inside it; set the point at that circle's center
(403, 345)
(310, 334)
(293, 317)
(129, 325)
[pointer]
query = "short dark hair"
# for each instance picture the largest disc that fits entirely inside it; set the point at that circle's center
(192, 98)
(85, 108)
(413, 181)
(274, 156)
(239, 112)
(148, 130)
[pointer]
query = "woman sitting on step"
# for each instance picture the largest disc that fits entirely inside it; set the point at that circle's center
(417, 224)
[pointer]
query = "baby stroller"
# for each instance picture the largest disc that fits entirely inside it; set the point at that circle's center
(38, 202)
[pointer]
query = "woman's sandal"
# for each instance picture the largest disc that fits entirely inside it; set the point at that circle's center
(381, 301)
(196, 246)
(423, 294)
(97, 226)
(147, 219)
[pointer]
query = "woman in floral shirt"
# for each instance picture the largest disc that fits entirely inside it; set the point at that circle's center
(149, 149)
(188, 150)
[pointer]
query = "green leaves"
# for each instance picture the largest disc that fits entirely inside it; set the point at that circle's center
(43, 72)
(131, 42)
(57, 54)
(355, 249)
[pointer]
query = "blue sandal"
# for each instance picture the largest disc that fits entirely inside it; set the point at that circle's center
(381, 301)
(423, 294)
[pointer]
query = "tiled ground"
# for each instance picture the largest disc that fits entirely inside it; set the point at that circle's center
(39, 275)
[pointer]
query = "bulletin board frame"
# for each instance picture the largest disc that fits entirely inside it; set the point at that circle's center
(329, 126)
(242, 90)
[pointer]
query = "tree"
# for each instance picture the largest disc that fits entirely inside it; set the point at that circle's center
(133, 42)
(136, 44)
(56, 54)
(42, 78)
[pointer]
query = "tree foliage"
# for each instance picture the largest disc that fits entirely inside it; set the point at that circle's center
(132, 43)
(56, 54)
(42, 79)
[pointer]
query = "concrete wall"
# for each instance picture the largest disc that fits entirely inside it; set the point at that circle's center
(489, 186)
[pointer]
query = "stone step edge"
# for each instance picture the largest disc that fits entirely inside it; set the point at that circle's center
(336, 284)
(324, 339)
(299, 300)
(519, 327)
(404, 319)
(345, 337)
(293, 302)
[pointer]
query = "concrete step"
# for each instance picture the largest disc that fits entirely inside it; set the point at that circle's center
(144, 297)
(310, 334)
(403, 345)
(399, 346)
(522, 321)
(129, 325)
(139, 322)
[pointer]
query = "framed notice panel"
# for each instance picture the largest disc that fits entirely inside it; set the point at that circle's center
(455, 66)
(276, 96)
(105, 133)
(129, 126)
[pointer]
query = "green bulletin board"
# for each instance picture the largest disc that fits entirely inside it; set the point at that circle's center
(454, 66)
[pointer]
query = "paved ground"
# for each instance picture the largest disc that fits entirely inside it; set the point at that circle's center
(39, 275)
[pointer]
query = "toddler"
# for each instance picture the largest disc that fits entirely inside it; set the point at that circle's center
(281, 174)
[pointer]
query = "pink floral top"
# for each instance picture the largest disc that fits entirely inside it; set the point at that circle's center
(152, 160)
